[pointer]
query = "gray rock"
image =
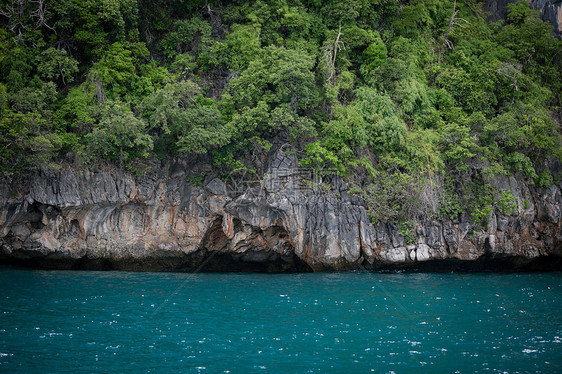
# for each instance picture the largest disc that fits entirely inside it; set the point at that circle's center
(394, 255)
(216, 187)
(422, 252)
(161, 221)
(20, 231)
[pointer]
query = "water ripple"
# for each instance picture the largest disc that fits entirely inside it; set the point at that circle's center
(352, 322)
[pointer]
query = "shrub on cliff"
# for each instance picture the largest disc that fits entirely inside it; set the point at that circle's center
(362, 88)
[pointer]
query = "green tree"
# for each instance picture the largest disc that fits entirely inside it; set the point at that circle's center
(118, 136)
(55, 64)
(277, 76)
(186, 121)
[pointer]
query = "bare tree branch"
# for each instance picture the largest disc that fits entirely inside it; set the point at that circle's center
(40, 13)
(331, 52)
(208, 6)
(15, 14)
(453, 21)
(19, 15)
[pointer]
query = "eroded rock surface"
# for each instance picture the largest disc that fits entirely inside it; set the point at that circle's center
(162, 221)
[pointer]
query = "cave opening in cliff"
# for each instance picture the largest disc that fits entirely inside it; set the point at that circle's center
(247, 249)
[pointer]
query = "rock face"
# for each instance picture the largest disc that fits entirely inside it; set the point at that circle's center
(550, 10)
(109, 220)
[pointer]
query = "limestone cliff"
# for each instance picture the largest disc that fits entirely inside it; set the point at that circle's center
(110, 220)
(550, 10)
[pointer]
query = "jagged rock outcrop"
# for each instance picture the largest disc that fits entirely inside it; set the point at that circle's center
(109, 220)
(550, 10)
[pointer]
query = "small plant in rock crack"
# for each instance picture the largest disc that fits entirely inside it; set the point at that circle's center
(406, 229)
(197, 181)
(506, 204)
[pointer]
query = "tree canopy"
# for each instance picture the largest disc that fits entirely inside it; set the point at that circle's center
(362, 88)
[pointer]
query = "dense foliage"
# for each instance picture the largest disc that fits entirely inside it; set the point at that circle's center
(393, 95)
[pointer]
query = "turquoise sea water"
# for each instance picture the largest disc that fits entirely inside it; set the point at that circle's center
(68, 322)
